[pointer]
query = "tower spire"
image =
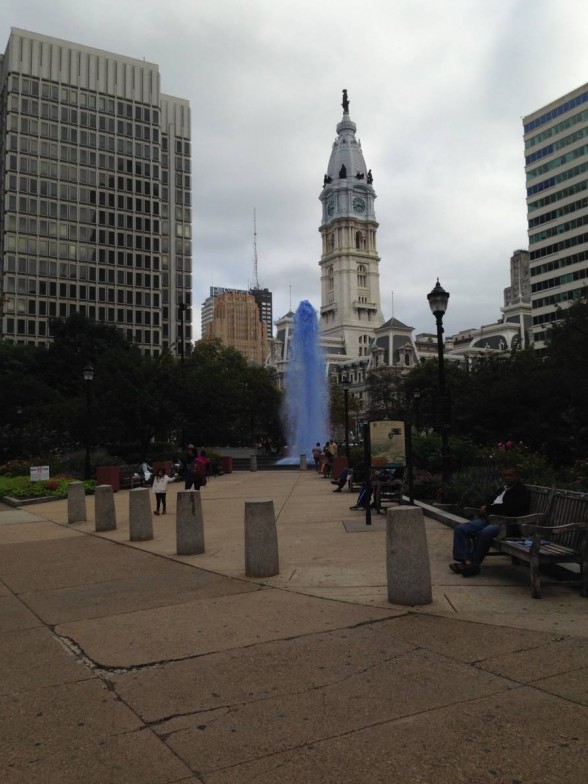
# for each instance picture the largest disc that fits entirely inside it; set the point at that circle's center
(255, 279)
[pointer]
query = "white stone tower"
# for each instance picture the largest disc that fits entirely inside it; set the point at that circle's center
(350, 280)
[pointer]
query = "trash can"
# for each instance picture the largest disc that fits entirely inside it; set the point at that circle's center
(339, 463)
(227, 464)
(108, 475)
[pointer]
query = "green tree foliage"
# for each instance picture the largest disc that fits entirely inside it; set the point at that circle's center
(215, 397)
(540, 399)
(385, 391)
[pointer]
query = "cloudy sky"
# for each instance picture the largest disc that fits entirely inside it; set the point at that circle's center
(437, 88)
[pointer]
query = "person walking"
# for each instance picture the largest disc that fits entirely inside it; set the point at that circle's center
(159, 489)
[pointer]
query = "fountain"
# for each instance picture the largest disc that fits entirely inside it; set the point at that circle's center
(306, 399)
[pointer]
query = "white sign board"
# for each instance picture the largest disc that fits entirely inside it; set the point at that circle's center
(39, 473)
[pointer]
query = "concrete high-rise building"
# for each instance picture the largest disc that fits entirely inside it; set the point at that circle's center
(235, 322)
(556, 166)
(95, 194)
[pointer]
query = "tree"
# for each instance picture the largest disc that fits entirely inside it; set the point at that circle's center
(385, 393)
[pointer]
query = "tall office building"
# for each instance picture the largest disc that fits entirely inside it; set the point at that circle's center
(263, 298)
(556, 165)
(235, 321)
(95, 194)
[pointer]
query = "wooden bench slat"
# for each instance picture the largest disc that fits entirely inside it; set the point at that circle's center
(558, 516)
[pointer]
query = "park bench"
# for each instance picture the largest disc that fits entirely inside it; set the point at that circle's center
(387, 483)
(129, 478)
(554, 532)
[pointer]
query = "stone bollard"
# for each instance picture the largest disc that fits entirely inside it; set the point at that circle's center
(189, 524)
(76, 503)
(261, 538)
(303, 463)
(140, 520)
(407, 556)
(253, 463)
(105, 514)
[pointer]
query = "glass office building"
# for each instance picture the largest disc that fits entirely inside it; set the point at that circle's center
(95, 194)
(556, 166)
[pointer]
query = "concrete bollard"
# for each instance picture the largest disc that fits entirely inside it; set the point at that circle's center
(105, 514)
(261, 538)
(140, 520)
(189, 524)
(407, 557)
(303, 463)
(253, 463)
(76, 503)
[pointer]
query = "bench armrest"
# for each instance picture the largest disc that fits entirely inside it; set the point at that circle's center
(531, 521)
(552, 530)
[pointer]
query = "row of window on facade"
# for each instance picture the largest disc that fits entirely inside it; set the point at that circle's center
(73, 231)
(559, 280)
(84, 119)
(359, 239)
(32, 205)
(70, 135)
(361, 277)
(77, 174)
(36, 327)
(53, 309)
(56, 189)
(566, 261)
(545, 201)
(73, 174)
(45, 267)
(79, 97)
(30, 285)
(50, 151)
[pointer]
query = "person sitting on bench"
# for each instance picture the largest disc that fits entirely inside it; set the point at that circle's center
(471, 540)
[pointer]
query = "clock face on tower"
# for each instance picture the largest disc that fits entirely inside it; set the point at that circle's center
(331, 208)
(358, 205)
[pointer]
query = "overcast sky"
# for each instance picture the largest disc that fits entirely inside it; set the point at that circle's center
(437, 89)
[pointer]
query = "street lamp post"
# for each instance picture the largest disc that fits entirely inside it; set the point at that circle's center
(438, 299)
(345, 385)
(88, 373)
(416, 395)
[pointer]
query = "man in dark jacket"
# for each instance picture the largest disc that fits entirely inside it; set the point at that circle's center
(471, 540)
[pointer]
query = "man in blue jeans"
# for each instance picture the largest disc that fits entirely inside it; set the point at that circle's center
(471, 540)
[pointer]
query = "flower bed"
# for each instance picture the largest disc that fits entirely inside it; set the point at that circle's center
(21, 488)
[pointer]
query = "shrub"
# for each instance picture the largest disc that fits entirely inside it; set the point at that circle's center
(22, 487)
(427, 486)
(471, 487)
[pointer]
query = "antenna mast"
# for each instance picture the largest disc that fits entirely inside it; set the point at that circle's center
(255, 280)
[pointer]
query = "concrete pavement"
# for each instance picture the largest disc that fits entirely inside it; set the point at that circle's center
(123, 662)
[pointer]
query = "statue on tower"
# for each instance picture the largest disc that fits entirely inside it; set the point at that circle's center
(345, 103)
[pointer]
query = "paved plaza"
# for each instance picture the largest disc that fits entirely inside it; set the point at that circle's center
(123, 662)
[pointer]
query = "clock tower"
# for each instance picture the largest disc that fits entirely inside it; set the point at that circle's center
(350, 280)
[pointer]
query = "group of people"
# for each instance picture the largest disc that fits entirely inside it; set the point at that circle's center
(324, 458)
(194, 465)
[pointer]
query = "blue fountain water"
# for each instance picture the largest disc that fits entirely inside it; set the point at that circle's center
(306, 400)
